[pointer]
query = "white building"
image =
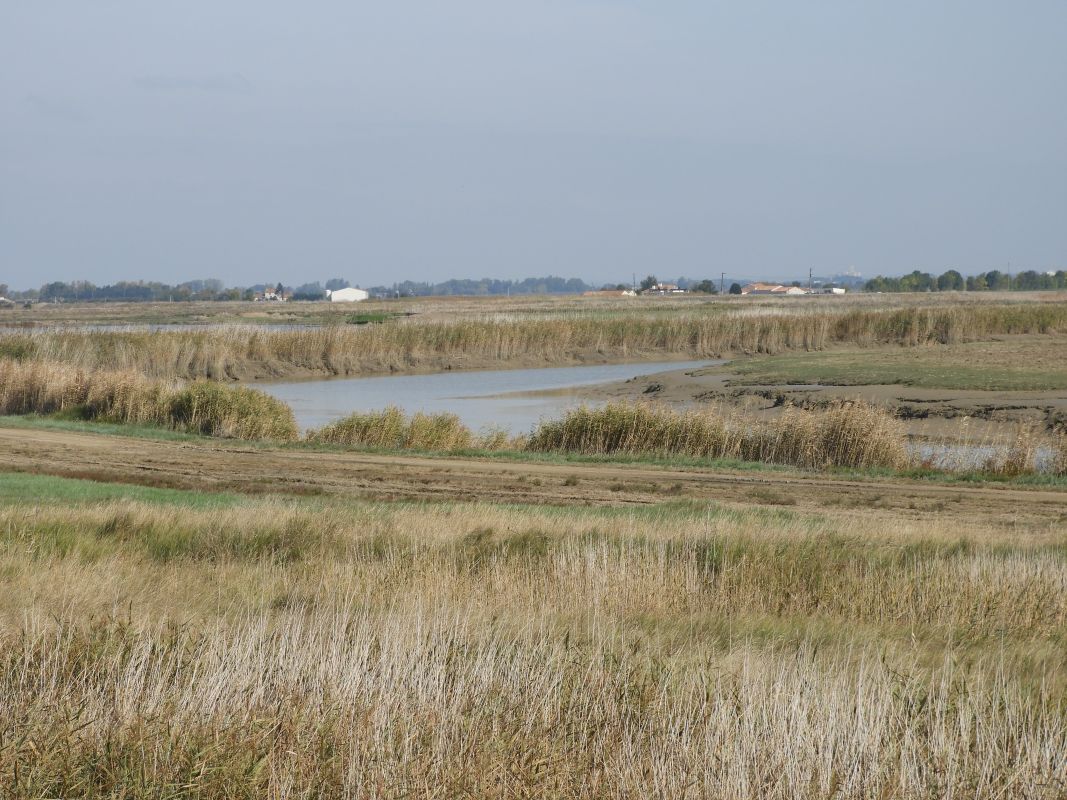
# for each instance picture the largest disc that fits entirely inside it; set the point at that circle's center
(349, 295)
(772, 288)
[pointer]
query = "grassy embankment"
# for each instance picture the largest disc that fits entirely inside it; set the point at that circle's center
(241, 352)
(244, 648)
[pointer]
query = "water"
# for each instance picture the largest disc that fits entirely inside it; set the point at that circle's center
(482, 399)
(956, 456)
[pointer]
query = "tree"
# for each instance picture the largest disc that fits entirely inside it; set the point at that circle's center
(917, 281)
(3, 290)
(951, 281)
(336, 283)
(735, 288)
(649, 283)
(705, 287)
(997, 280)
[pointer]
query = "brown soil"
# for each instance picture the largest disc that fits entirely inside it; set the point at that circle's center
(229, 466)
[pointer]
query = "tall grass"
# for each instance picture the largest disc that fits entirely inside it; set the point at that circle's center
(393, 429)
(468, 650)
(846, 435)
(239, 352)
(129, 398)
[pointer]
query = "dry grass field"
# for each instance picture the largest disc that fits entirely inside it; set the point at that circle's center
(179, 644)
(638, 601)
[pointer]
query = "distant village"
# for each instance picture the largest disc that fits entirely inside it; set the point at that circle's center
(338, 290)
(757, 288)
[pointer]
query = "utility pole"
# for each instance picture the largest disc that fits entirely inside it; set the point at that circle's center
(722, 281)
(809, 280)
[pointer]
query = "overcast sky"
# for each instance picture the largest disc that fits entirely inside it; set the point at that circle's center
(260, 141)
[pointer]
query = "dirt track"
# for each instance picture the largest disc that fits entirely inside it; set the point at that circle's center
(219, 466)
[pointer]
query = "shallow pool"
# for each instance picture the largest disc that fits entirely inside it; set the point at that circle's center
(482, 399)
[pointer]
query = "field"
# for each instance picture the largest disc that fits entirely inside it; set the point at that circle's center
(241, 647)
(1005, 364)
(647, 601)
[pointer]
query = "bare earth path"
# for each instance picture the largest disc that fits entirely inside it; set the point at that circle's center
(229, 466)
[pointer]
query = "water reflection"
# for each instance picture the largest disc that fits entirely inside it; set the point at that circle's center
(481, 399)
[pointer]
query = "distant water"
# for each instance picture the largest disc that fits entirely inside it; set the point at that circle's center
(474, 395)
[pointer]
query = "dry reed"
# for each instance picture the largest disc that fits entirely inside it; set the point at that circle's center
(129, 398)
(467, 650)
(240, 352)
(846, 435)
(392, 429)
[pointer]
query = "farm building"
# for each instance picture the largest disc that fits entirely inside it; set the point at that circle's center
(772, 288)
(665, 288)
(349, 295)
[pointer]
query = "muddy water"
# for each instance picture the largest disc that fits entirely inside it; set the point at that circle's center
(515, 399)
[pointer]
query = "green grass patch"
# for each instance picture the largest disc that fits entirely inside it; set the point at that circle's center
(72, 422)
(913, 367)
(370, 317)
(19, 487)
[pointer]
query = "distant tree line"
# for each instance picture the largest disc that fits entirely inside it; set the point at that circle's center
(212, 289)
(953, 281)
(130, 291)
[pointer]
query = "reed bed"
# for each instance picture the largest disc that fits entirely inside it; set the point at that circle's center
(376, 650)
(846, 435)
(130, 398)
(241, 352)
(392, 429)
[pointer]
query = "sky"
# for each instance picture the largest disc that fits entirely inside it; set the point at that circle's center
(257, 141)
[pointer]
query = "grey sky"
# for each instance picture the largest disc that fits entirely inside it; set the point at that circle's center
(261, 141)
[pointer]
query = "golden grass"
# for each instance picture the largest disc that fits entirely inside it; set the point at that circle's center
(129, 398)
(392, 429)
(849, 434)
(846, 435)
(238, 352)
(375, 650)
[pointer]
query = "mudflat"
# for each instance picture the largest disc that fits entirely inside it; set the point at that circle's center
(967, 390)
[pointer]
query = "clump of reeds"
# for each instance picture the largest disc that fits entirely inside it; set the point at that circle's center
(129, 398)
(1059, 454)
(847, 435)
(1016, 456)
(392, 429)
